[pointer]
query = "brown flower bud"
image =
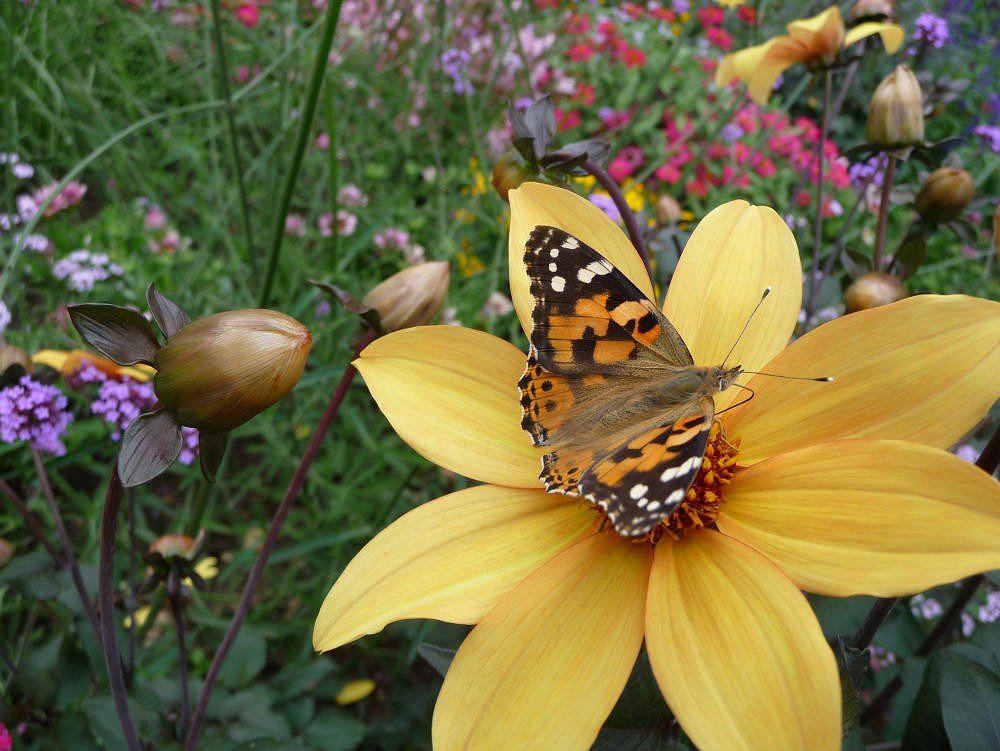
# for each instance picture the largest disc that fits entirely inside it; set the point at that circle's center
(944, 194)
(411, 297)
(219, 371)
(11, 355)
(872, 10)
(896, 114)
(667, 210)
(509, 172)
(872, 290)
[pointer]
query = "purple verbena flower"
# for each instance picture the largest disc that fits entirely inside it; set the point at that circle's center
(33, 412)
(189, 449)
(931, 30)
(85, 374)
(990, 134)
(990, 612)
(121, 400)
(607, 205)
(82, 269)
(455, 63)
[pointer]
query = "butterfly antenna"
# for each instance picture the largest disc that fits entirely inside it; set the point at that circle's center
(822, 379)
(767, 291)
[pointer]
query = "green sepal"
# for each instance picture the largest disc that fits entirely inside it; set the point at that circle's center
(120, 334)
(150, 445)
(168, 315)
(351, 304)
(211, 450)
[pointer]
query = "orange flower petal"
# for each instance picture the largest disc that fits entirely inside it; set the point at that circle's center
(736, 252)
(536, 203)
(883, 518)
(450, 559)
(737, 651)
(451, 393)
(892, 35)
(923, 369)
(545, 667)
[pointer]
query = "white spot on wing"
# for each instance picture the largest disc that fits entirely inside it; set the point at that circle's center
(681, 469)
(554, 253)
(552, 267)
(558, 283)
(638, 491)
(571, 243)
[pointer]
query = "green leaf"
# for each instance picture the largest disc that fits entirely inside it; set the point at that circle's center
(118, 333)
(925, 727)
(246, 659)
(151, 444)
(167, 314)
(970, 705)
(438, 658)
(642, 739)
(335, 730)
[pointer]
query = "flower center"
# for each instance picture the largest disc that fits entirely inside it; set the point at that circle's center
(704, 498)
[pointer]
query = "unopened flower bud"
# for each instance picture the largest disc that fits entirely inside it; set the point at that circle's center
(944, 194)
(411, 297)
(871, 10)
(11, 355)
(872, 290)
(896, 114)
(667, 210)
(509, 172)
(219, 371)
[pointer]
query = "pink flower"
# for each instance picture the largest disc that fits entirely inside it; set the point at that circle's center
(6, 742)
(668, 173)
(70, 196)
(711, 16)
(580, 52)
(323, 142)
(248, 14)
(155, 218)
(347, 223)
(351, 195)
(295, 225)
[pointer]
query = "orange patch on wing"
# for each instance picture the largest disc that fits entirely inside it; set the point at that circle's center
(608, 352)
(594, 379)
(574, 327)
(630, 310)
(648, 337)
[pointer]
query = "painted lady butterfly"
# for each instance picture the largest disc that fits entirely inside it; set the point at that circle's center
(610, 388)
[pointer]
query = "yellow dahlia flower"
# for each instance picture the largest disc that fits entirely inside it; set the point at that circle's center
(837, 488)
(815, 41)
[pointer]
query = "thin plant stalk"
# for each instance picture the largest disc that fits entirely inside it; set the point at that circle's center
(631, 225)
(133, 546)
(70, 557)
(277, 522)
(173, 597)
(320, 65)
(106, 605)
(234, 145)
(32, 522)
(814, 280)
(883, 214)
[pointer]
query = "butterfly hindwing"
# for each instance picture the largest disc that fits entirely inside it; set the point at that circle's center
(588, 317)
(639, 482)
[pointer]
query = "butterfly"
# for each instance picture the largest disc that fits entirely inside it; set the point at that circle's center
(610, 389)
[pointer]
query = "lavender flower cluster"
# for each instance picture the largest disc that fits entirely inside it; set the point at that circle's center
(34, 412)
(121, 400)
(82, 269)
(931, 31)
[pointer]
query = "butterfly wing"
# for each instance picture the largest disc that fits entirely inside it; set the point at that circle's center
(639, 482)
(588, 317)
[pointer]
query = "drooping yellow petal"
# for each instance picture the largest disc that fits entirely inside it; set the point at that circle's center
(737, 651)
(892, 34)
(544, 668)
(884, 518)
(736, 252)
(450, 559)
(923, 369)
(822, 35)
(759, 66)
(533, 204)
(451, 393)
(68, 362)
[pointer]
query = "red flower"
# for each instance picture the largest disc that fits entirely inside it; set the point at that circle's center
(719, 37)
(577, 23)
(248, 14)
(580, 52)
(567, 119)
(747, 14)
(711, 15)
(634, 58)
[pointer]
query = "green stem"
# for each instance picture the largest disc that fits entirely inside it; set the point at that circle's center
(883, 214)
(320, 64)
(234, 145)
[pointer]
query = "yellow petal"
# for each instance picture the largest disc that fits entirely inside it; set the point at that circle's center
(823, 34)
(736, 252)
(536, 203)
(545, 667)
(883, 518)
(892, 34)
(67, 362)
(737, 651)
(451, 393)
(923, 369)
(760, 66)
(449, 559)
(354, 691)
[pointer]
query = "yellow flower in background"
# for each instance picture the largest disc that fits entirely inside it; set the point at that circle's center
(839, 488)
(67, 362)
(635, 195)
(480, 184)
(355, 691)
(815, 41)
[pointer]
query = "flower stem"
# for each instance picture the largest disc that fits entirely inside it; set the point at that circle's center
(875, 618)
(631, 225)
(277, 522)
(32, 522)
(814, 280)
(320, 65)
(182, 667)
(883, 213)
(234, 146)
(70, 557)
(106, 605)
